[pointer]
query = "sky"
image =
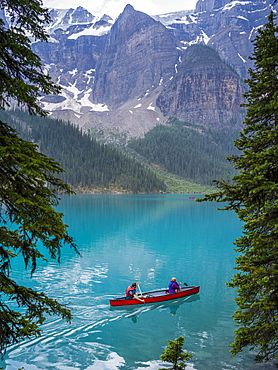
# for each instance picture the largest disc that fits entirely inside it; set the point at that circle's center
(115, 7)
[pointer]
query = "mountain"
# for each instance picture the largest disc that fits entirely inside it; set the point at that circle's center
(122, 77)
(138, 53)
(205, 91)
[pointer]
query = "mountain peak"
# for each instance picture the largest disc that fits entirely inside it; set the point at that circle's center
(133, 72)
(204, 80)
(129, 8)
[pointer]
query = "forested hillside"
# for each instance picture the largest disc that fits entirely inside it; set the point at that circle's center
(88, 164)
(194, 153)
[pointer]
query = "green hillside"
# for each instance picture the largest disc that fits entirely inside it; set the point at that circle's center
(190, 152)
(176, 158)
(88, 164)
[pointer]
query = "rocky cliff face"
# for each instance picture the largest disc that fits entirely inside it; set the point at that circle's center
(205, 90)
(77, 40)
(228, 26)
(129, 74)
(139, 54)
(234, 26)
(210, 5)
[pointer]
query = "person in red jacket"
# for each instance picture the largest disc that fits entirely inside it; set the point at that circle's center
(131, 292)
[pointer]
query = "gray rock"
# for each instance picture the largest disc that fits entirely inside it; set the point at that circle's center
(138, 54)
(205, 90)
(131, 74)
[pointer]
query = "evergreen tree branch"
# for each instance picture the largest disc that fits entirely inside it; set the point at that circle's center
(252, 194)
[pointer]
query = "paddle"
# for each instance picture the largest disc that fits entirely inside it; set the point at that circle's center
(139, 289)
(185, 284)
(140, 292)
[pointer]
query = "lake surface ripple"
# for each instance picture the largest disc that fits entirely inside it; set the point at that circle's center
(144, 238)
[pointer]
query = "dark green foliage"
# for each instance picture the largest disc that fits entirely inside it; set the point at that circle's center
(28, 189)
(21, 72)
(253, 196)
(174, 354)
(194, 153)
(87, 163)
(28, 179)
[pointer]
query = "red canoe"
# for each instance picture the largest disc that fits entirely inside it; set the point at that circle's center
(156, 296)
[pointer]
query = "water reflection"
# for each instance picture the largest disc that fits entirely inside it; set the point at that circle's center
(134, 313)
(174, 306)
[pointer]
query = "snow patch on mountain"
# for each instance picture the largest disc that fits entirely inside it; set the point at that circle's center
(151, 107)
(78, 41)
(89, 75)
(183, 16)
(244, 61)
(72, 98)
(78, 22)
(93, 31)
(232, 4)
(241, 17)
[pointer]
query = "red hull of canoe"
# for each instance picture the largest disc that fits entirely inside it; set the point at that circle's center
(156, 296)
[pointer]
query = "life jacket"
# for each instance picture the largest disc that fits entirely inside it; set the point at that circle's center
(128, 290)
(170, 288)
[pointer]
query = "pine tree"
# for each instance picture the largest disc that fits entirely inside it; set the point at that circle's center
(21, 73)
(253, 196)
(29, 187)
(174, 354)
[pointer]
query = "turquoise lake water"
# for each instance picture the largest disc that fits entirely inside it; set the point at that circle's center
(148, 239)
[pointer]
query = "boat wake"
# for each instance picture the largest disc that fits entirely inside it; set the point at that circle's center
(85, 343)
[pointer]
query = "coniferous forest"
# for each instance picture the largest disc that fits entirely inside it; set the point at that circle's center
(195, 153)
(88, 163)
